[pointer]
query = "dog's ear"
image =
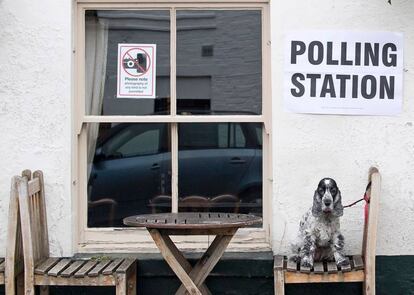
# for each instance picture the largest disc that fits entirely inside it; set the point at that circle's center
(338, 209)
(317, 205)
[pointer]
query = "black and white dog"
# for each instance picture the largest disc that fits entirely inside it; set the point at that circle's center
(319, 235)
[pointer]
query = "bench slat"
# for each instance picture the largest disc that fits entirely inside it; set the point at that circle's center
(358, 262)
(125, 265)
(68, 272)
(338, 277)
(304, 269)
(318, 268)
(331, 267)
(346, 268)
(85, 268)
(292, 265)
(59, 267)
(98, 268)
(278, 262)
(46, 265)
(111, 267)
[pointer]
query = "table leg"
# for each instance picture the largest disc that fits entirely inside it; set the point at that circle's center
(177, 262)
(207, 262)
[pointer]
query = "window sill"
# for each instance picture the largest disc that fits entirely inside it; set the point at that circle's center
(139, 241)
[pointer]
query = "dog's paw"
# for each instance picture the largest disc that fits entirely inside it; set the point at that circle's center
(343, 261)
(306, 262)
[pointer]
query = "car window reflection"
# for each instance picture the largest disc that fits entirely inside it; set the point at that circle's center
(220, 170)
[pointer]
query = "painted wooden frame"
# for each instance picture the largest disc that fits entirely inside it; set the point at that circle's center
(126, 239)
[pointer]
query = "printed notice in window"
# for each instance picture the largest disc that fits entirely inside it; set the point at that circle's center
(351, 73)
(136, 71)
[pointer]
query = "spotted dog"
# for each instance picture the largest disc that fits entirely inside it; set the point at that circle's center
(319, 237)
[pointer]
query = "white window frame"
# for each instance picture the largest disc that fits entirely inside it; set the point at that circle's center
(100, 240)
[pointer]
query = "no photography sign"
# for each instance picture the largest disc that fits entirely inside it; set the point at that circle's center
(352, 73)
(136, 71)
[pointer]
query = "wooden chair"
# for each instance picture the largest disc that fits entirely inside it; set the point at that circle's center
(160, 204)
(108, 203)
(42, 270)
(225, 203)
(194, 204)
(361, 268)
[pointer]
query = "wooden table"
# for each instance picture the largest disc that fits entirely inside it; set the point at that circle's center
(222, 225)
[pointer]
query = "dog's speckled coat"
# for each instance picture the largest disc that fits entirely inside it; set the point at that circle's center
(319, 235)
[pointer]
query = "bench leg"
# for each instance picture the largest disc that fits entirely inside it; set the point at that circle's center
(369, 282)
(132, 280)
(29, 288)
(121, 284)
(369, 288)
(19, 285)
(279, 282)
(126, 283)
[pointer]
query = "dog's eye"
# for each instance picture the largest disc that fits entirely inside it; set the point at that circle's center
(321, 191)
(333, 191)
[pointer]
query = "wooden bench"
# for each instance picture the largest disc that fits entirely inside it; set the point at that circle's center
(42, 270)
(361, 268)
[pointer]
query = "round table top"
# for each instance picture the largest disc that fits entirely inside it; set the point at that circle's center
(187, 220)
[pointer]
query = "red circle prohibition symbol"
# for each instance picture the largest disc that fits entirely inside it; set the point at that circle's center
(133, 65)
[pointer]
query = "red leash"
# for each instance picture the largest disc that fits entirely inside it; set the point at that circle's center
(365, 198)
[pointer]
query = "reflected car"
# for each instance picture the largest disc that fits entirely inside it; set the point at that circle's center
(131, 169)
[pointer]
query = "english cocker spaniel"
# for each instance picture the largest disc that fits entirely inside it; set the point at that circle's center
(319, 237)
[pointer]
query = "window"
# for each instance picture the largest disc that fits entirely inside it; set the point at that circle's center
(201, 143)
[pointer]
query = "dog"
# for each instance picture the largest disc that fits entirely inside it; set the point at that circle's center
(319, 237)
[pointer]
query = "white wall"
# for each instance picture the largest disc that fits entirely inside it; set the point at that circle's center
(35, 107)
(35, 121)
(310, 147)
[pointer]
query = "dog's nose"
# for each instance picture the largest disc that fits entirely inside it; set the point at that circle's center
(327, 203)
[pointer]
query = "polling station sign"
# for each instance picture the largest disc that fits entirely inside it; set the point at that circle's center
(136, 75)
(352, 73)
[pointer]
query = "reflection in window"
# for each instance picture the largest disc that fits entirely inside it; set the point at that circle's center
(219, 71)
(137, 144)
(219, 62)
(129, 172)
(105, 29)
(220, 167)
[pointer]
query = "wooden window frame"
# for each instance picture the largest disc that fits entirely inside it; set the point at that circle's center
(101, 240)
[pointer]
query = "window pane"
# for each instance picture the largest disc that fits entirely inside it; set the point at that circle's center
(105, 29)
(220, 167)
(219, 62)
(129, 171)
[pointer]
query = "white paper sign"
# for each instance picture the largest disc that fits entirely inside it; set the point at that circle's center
(136, 71)
(352, 73)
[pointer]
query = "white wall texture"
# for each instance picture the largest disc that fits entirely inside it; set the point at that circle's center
(35, 121)
(35, 107)
(310, 147)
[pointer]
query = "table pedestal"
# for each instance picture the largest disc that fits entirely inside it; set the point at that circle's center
(162, 226)
(192, 278)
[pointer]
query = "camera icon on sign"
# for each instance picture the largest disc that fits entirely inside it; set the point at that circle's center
(139, 64)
